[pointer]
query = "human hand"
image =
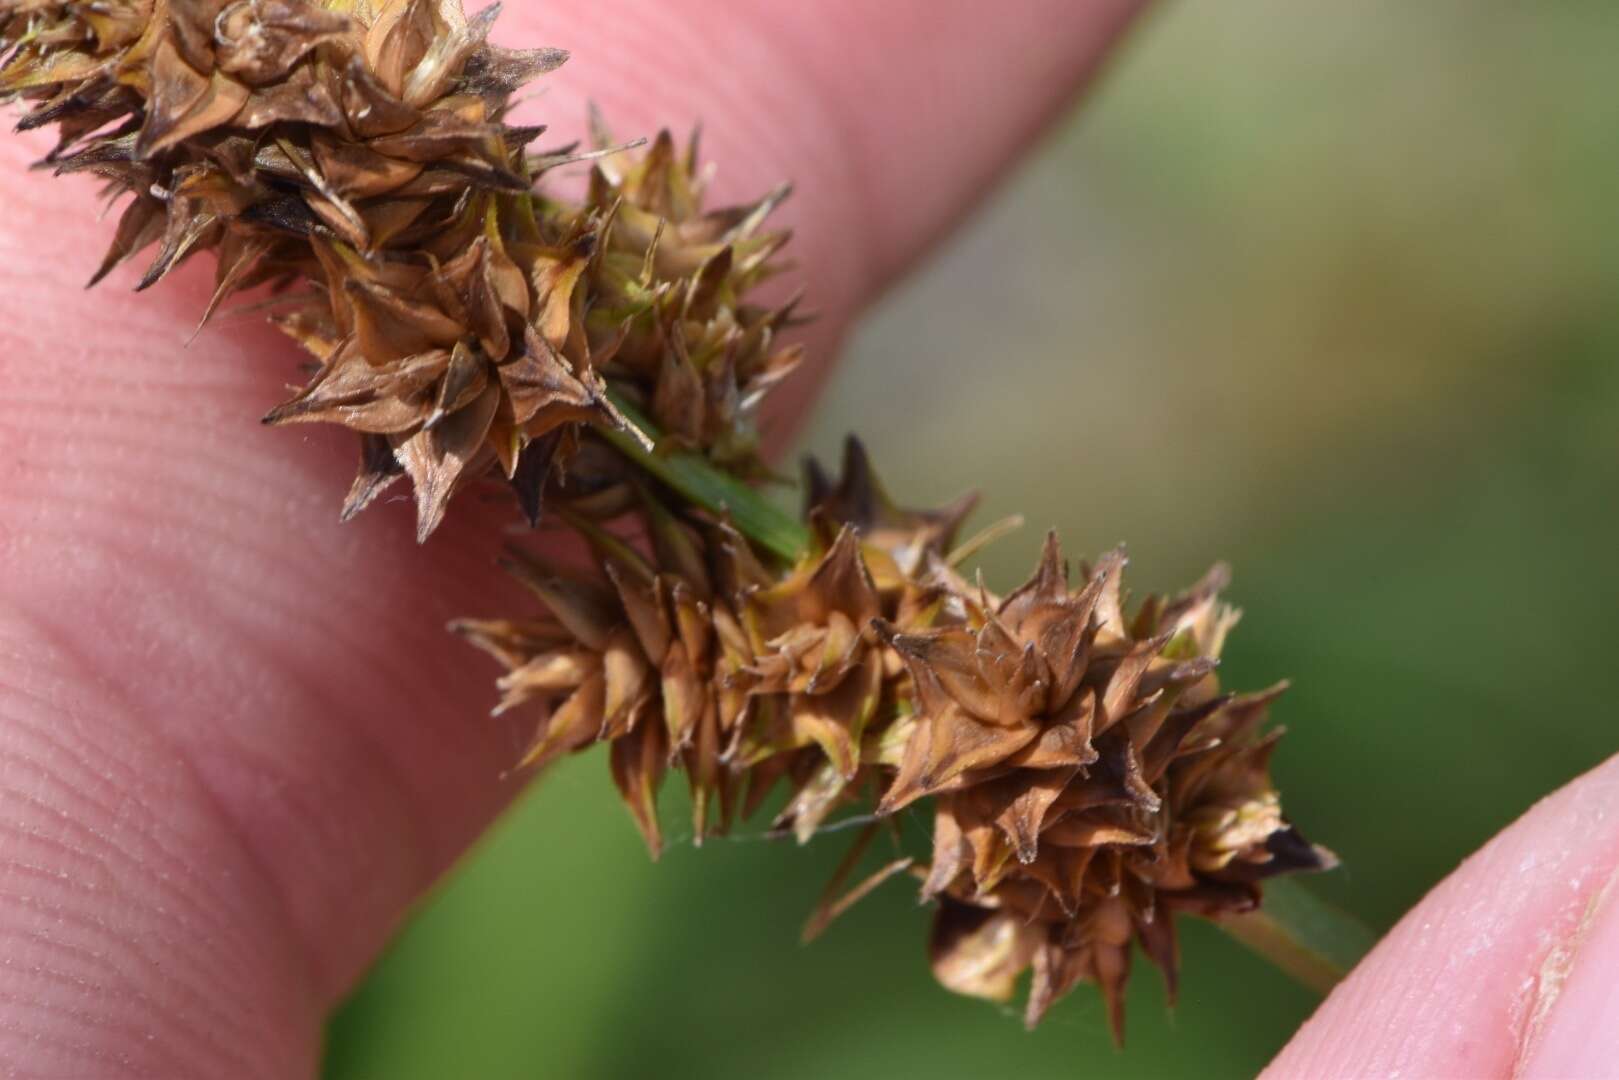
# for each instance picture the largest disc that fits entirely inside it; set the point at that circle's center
(234, 741)
(1510, 967)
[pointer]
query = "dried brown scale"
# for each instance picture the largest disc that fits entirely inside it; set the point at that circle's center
(355, 154)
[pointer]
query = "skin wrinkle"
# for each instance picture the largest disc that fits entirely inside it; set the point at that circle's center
(108, 972)
(317, 965)
(175, 860)
(287, 807)
(18, 943)
(289, 569)
(68, 883)
(96, 929)
(218, 534)
(420, 868)
(212, 1037)
(128, 782)
(63, 1052)
(224, 761)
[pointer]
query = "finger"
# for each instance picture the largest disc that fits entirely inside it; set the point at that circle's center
(234, 739)
(890, 119)
(1505, 969)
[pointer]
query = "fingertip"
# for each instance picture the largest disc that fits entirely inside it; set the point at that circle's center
(1454, 989)
(891, 120)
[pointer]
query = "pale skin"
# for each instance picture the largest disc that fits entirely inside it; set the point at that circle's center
(235, 741)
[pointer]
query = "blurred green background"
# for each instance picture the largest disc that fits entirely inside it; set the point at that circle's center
(1330, 291)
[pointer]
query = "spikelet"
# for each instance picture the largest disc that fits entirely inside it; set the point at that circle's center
(705, 659)
(639, 656)
(669, 291)
(357, 156)
(1089, 780)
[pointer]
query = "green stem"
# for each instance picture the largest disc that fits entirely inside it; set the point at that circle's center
(709, 486)
(1304, 936)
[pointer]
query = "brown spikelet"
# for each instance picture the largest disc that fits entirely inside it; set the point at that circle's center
(1089, 780)
(358, 157)
(1133, 791)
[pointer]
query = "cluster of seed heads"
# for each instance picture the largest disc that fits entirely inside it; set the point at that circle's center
(354, 162)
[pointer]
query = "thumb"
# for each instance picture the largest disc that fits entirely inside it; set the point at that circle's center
(1507, 968)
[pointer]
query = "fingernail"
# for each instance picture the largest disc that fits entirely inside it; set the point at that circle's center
(1578, 1025)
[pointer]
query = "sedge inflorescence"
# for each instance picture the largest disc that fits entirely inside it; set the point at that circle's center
(1086, 777)
(357, 154)
(1089, 779)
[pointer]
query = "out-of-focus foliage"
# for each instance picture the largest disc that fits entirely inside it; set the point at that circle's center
(1331, 291)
